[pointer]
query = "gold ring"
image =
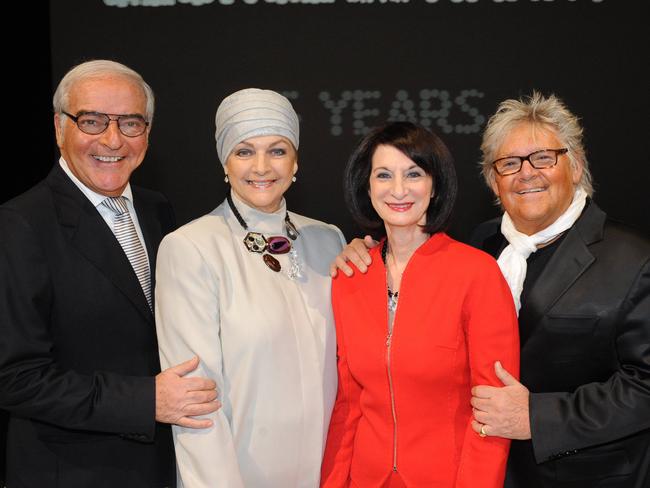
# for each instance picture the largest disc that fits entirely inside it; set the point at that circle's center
(482, 432)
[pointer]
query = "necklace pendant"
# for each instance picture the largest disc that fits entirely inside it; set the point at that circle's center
(295, 270)
(272, 263)
(292, 232)
(258, 243)
(255, 242)
(392, 300)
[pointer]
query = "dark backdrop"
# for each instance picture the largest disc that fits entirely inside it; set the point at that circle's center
(346, 66)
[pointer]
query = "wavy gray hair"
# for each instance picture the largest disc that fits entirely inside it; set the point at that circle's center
(99, 68)
(549, 113)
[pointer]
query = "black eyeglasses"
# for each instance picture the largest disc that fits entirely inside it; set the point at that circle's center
(93, 123)
(542, 159)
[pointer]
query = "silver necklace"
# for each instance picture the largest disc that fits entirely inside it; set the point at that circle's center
(393, 297)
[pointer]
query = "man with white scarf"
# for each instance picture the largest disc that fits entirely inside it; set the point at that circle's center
(581, 284)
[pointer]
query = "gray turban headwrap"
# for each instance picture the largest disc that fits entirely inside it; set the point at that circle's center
(251, 113)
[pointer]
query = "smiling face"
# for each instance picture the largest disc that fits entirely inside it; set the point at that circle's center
(102, 162)
(535, 198)
(400, 190)
(260, 170)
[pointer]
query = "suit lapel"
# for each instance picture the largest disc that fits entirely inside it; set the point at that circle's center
(569, 261)
(90, 235)
(494, 245)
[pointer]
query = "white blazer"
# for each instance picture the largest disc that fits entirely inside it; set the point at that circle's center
(266, 339)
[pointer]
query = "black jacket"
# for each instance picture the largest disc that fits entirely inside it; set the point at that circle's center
(78, 348)
(585, 359)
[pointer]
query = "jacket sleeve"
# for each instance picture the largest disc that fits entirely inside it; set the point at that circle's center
(32, 383)
(335, 471)
(491, 332)
(188, 324)
(601, 412)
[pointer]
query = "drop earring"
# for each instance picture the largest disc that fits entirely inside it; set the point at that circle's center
(293, 179)
(225, 179)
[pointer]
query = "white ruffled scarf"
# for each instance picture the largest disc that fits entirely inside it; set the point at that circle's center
(512, 260)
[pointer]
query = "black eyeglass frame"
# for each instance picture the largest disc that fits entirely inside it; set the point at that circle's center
(557, 152)
(110, 117)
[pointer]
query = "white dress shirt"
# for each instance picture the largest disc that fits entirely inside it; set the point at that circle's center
(96, 199)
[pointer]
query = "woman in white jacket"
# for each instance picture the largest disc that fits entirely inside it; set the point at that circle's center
(247, 289)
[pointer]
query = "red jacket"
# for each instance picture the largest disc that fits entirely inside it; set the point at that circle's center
(454, 319)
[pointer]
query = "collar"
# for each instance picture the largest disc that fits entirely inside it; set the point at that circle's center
(258, 221)
(95, 198)
(430, 246)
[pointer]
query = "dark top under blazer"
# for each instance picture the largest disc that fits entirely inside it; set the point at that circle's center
(586, 359)
(78, 350)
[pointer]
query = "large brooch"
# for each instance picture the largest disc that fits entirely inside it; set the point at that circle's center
(256, 242)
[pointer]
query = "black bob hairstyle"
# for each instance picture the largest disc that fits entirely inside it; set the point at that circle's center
(426, 150)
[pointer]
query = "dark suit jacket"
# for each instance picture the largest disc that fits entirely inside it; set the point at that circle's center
(78, 350)
(585, 356)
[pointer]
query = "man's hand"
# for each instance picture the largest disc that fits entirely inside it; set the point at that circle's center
(501, 411)
(179, 399)
(357, 253)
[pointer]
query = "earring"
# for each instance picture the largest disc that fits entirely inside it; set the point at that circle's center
(225, 179)
(293, 179)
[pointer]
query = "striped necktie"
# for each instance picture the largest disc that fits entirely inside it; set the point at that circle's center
(128, 238)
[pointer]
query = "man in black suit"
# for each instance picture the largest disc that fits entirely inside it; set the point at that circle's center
(582, 283)
(79, 368)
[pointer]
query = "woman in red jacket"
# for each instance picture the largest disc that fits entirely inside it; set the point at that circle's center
(424, 324)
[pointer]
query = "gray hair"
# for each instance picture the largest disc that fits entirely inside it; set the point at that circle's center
(548, 112)
(99, 68)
